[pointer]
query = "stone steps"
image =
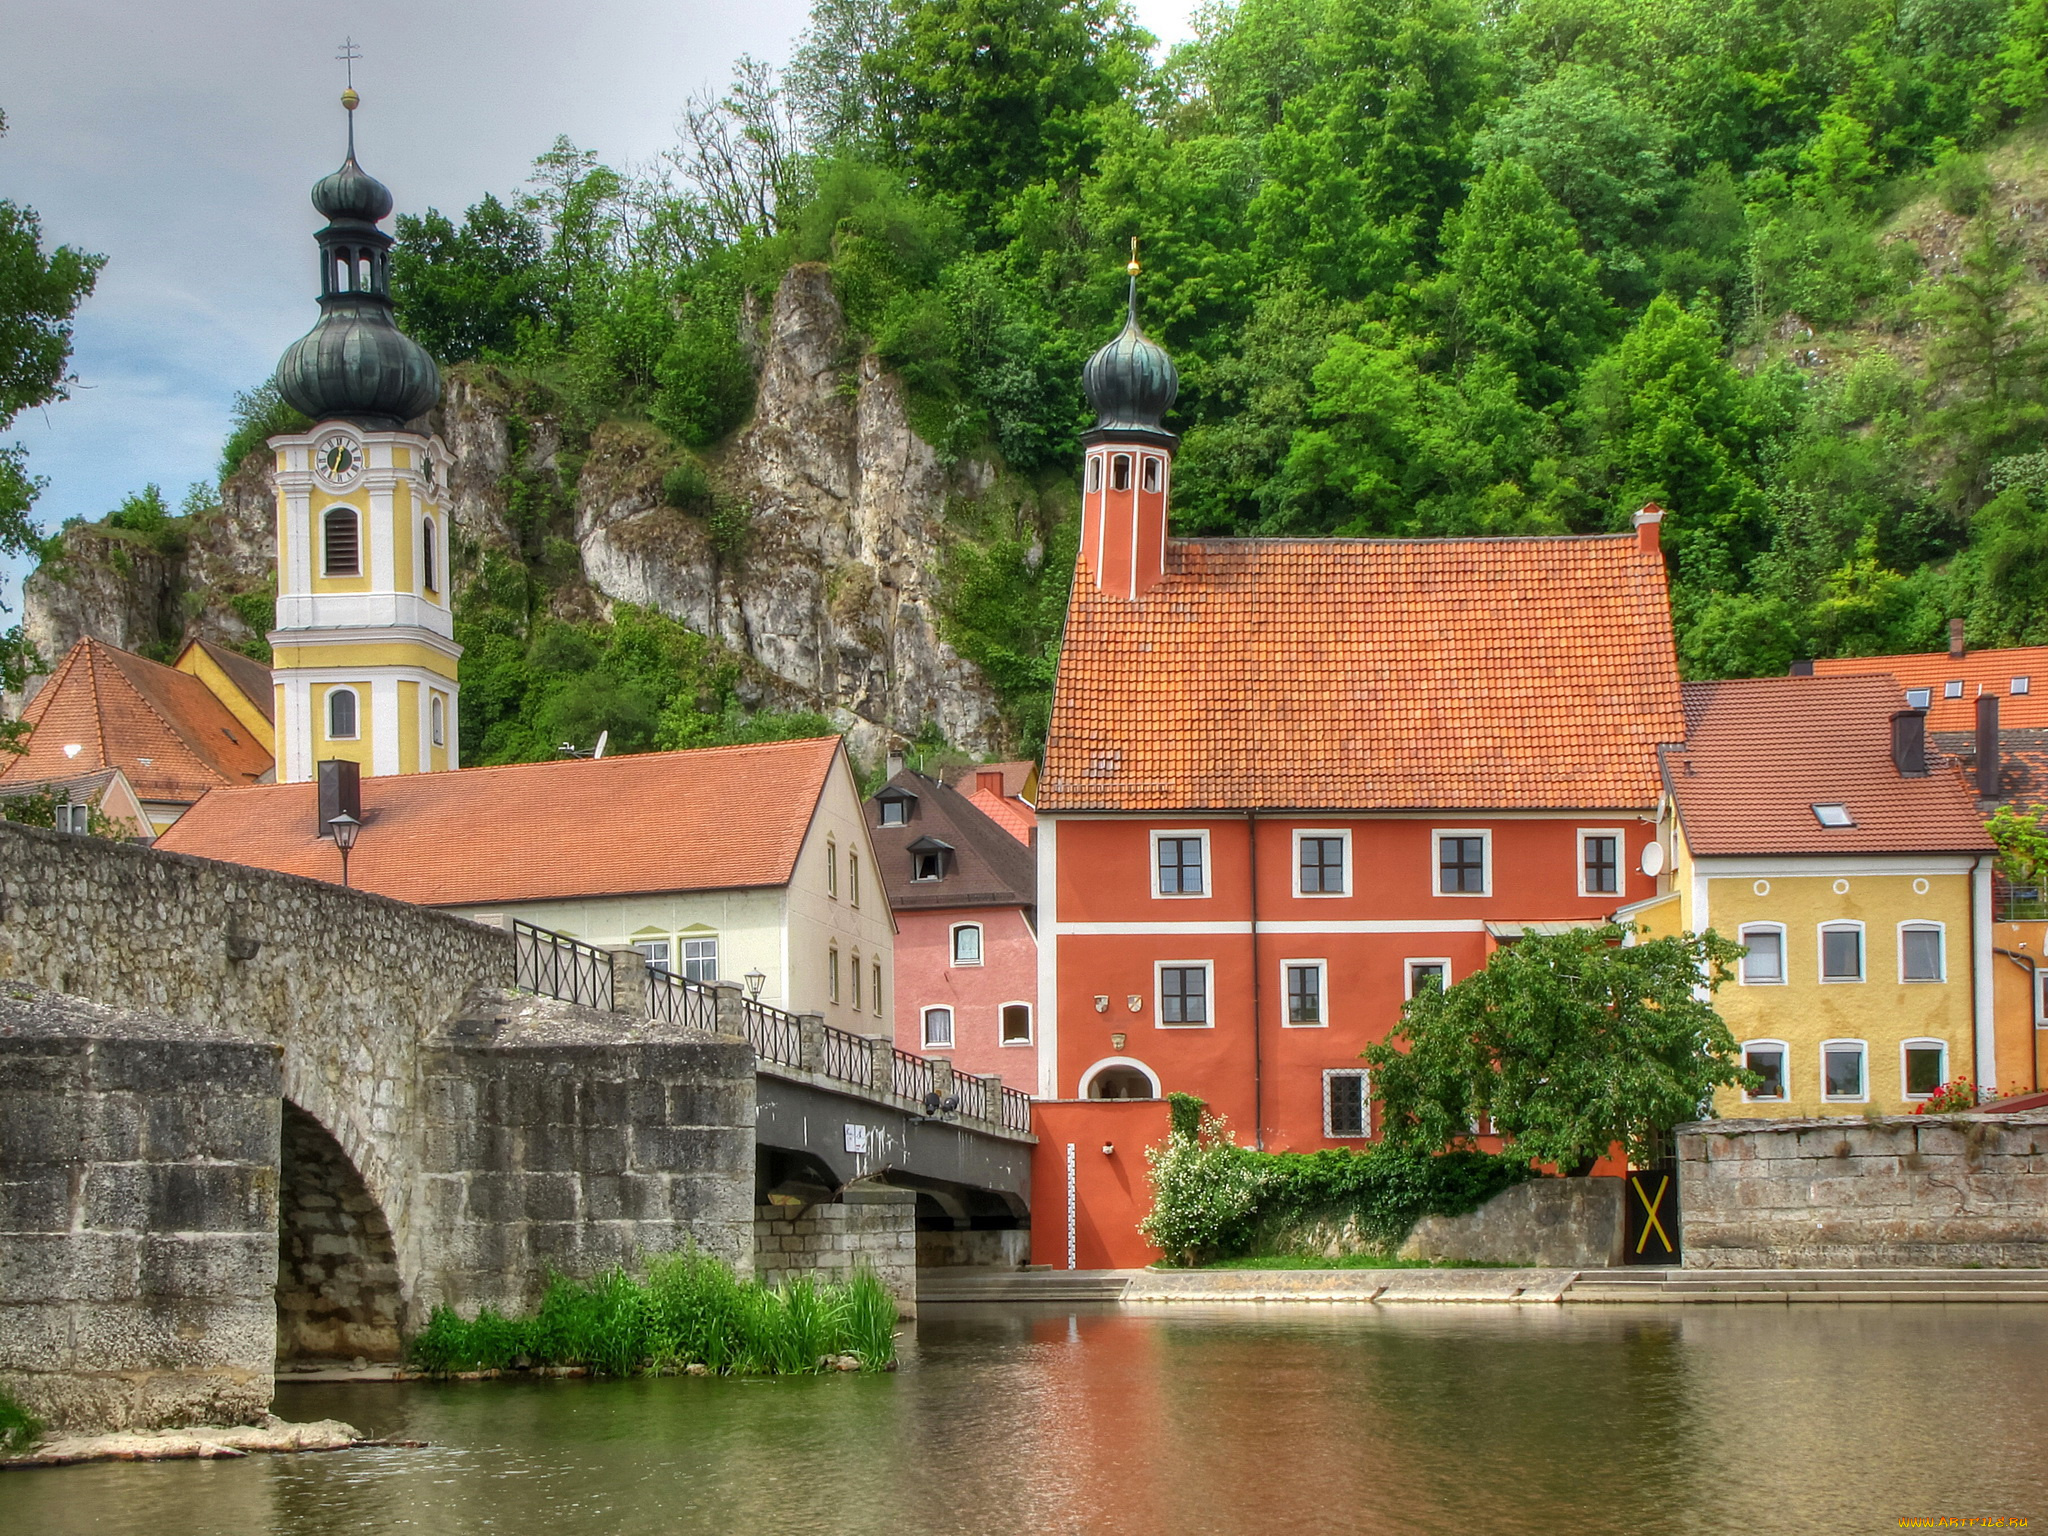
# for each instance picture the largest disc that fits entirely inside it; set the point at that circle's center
(1808, 1285)
(1014, 1285)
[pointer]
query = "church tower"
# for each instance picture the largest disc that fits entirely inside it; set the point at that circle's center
(1128, 461)
(363, 656)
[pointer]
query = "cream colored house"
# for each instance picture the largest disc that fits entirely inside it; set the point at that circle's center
(713, 863)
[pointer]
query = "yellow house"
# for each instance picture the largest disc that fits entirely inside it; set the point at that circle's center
(1804, 818)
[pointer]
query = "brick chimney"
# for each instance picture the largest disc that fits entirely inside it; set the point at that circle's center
(1909, 743)
(1955, 638)
(1987, 745)
(1647, 522)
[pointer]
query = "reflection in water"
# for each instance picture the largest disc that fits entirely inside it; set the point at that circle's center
(1182, 1421)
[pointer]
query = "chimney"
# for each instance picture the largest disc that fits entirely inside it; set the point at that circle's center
(1955, 638)
(341, 789)
(1801, 669)
(1909, 742)
(1987, 745)
(892, 765)
(1646, 523)
(990, 779)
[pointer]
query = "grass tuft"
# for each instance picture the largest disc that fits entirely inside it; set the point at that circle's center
(19, 1429)
(688, 1309)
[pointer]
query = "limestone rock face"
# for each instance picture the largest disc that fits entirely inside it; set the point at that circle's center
(825, 572)
(105, 584)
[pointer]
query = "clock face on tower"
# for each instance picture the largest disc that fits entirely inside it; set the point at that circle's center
(338, 459)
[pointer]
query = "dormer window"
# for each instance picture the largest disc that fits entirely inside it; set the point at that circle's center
(929, 859)
(1833, 816)
(894, 807)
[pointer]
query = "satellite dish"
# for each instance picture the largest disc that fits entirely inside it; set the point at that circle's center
(1653, 859)
(602, 738)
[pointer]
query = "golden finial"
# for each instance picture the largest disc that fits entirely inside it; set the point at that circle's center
(350, 100)
(1134, 269)
(347, 60)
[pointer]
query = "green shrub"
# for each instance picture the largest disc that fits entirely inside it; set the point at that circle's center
(689, 1309)
(19, 1429)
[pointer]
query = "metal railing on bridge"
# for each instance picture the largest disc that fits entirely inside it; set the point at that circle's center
(558, 966)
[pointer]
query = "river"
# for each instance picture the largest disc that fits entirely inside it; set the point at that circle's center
(1185, 1421)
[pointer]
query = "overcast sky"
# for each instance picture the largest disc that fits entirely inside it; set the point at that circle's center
(181, 139)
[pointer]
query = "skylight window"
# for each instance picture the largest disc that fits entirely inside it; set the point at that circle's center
(2022, 685)
(1833, 816)
(1919, 698)
(1953, 689)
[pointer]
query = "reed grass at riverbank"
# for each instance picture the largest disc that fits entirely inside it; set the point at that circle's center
(688, 1310)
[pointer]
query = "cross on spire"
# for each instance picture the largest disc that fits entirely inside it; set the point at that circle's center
(347, 59)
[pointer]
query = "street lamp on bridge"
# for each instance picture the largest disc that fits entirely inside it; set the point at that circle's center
(345, 829)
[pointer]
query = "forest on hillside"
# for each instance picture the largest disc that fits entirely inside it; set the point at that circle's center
(1427, 267)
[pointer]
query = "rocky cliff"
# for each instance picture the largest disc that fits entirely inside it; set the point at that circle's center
(813, 554)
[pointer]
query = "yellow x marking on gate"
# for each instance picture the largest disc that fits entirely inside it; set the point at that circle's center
(1650, 1208)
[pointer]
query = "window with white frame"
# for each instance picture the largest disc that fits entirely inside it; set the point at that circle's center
(1767, 1059)
(428, 580)
(1304, 982)
(1600, 851)
(1841, 952)
(1154, 472)
(1120, 472)
(832, 973)
(655, 951)
(967, 943)
(831, 869)
(1095, 472)
(1183, 992)
(1016, 1024)
(1347, 1104)
(1843, 1076)
(343, 720)
(895, 813)
(341, 544)
(437, 720)
(852, 878)
(1322, 863)
(1463, 862)
(1421, 974)
(1180, 863)
(938, 1029)
(1923, 1067)
(2040, 996)
(875, 976)
(1920, 952)
(853, 979)
(1764, 964)
(700, 958)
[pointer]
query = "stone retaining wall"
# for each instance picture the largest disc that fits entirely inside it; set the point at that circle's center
(138, 1216)
(1543, 1223)
(1885, 1192)
(875, 1226)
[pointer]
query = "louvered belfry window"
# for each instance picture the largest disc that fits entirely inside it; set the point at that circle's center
(342, 545)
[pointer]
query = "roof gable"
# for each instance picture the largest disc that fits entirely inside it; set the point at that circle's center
(986, 866)
(717, 818)
(1369, 673)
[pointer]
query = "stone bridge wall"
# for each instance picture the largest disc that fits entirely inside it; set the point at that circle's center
(1891, 1191)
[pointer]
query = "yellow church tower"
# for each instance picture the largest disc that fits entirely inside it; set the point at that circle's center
(363, 656)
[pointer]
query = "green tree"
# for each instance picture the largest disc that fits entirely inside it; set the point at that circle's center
(1520, 287)
(471, 290)
(1568, 1042)
(1984, 358)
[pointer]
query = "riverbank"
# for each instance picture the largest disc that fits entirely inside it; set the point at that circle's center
(1502, 1287)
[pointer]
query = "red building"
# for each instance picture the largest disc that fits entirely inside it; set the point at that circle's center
(963, 886)
(1287, 781)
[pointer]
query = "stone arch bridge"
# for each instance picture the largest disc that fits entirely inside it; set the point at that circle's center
(247, 1117)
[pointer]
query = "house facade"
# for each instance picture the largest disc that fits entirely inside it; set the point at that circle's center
(1806, 820)
(964, 891)
(714, 863)
(1289, 781)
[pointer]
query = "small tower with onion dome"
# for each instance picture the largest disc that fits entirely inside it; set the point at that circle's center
(363, 655)
(1127, 470)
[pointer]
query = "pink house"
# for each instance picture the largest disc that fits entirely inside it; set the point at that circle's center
(962, 880)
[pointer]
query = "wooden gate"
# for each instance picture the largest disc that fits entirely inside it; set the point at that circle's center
(1652, 1226)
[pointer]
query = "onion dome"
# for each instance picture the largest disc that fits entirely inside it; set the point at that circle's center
(1131, 382)
(356, 365)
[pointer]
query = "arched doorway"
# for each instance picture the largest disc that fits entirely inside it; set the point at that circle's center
(337, 1270)
(1115, 1079)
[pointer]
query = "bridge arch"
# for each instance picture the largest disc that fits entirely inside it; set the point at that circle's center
(338, 1292)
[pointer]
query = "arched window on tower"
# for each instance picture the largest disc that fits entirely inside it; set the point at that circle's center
(1152, 472)
(437, 720)
(341, 544)
(341, 714)
(1120, 472)
(1095, 472)
(427, 555)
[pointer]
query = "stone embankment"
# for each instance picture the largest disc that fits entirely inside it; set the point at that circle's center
(207, 1443)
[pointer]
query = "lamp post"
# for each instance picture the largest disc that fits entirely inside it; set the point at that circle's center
(756, 980)
(345, 829)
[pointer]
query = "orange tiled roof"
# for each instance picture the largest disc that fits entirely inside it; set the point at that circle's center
(1978, 671)
(719, 818)
(1367, 673)
(1760, 753)
(1013, 816)
(161, 727)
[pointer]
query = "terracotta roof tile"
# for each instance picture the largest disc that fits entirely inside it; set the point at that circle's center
(1367, 673)
(718, 818)
(1978, 672)
(1760, 753)
(1013, 816)
(161, 727)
